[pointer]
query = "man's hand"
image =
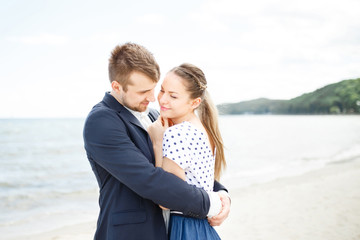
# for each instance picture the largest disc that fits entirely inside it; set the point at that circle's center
(220, 218)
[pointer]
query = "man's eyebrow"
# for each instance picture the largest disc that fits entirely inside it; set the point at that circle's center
(145, 90)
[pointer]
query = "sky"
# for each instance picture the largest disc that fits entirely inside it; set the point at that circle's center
(54, 54)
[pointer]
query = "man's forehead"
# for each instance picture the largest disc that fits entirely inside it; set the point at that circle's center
(139, 78)
(141, 84)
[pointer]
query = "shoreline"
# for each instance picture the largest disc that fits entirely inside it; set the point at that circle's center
(321, 204)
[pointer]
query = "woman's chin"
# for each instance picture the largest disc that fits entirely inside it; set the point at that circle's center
(164, 114)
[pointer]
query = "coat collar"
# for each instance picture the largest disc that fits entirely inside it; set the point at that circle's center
(114, 104)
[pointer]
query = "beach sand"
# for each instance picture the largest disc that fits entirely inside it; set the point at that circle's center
(322, 204)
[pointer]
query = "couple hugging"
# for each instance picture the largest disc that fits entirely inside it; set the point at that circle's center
(157, 172)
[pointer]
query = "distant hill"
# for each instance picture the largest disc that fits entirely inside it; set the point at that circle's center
(338, 98)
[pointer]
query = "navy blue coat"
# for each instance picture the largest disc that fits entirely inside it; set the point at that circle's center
(122, 158)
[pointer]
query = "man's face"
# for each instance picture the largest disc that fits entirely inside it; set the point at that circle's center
(140, 92)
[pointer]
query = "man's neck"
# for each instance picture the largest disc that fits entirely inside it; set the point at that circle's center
(137, 112)
(112, 93)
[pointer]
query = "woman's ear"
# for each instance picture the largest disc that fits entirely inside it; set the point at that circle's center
(196, 102)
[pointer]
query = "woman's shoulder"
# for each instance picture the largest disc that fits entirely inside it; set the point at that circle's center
(178, 130)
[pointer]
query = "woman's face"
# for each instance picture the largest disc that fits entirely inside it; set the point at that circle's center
(174, 100)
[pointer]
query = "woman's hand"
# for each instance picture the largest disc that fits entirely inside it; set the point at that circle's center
(156, 132)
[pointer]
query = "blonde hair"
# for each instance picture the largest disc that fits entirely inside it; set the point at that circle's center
(131, 57)
(196, 85)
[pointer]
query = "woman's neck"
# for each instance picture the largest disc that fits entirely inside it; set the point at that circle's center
(191, 117)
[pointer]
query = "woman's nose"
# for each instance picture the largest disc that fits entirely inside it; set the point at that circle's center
(162, 99)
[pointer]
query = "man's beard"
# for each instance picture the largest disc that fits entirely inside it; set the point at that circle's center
(134, 108)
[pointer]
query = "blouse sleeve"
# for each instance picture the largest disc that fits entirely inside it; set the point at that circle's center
(175, 147)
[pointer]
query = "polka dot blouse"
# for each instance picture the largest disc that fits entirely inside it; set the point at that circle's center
(188, 147)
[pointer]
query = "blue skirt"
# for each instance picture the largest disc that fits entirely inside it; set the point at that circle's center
(187, 228)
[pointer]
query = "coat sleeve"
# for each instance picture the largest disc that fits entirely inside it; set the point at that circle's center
(109, 145)
(218, 186)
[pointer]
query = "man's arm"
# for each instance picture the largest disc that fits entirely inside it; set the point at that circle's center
(107, 142)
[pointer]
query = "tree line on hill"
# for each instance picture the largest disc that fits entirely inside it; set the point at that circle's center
(338, 98)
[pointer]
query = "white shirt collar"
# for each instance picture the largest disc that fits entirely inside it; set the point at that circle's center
(142, 117)
(139, 114)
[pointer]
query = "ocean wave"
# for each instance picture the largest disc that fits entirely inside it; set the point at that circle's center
(9, 185)
(348, 153)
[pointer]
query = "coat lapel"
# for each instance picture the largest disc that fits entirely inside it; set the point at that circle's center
(115, 105)
(130, 118)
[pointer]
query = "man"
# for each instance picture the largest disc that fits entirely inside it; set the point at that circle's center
(121, 155)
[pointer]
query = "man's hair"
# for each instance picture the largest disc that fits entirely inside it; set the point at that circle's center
(131, 57)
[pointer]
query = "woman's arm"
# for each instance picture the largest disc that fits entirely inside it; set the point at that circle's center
(156, 133)
(158, 154)
(172, 167)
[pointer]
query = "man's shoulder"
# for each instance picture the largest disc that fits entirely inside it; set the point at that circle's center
(100, 109)
(101, 114)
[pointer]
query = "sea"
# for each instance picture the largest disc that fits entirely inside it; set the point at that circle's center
(46, 181)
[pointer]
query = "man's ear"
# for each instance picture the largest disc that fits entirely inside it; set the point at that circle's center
(196, 102)
(116, 87)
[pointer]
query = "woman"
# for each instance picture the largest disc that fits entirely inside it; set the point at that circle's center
(192, 147)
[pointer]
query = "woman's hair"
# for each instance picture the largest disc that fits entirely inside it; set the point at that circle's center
(196, 84)
(130, 57)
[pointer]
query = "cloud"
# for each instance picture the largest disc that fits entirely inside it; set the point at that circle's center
(150, 19)
(208, 21)
(248, 49)
(42, 39)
